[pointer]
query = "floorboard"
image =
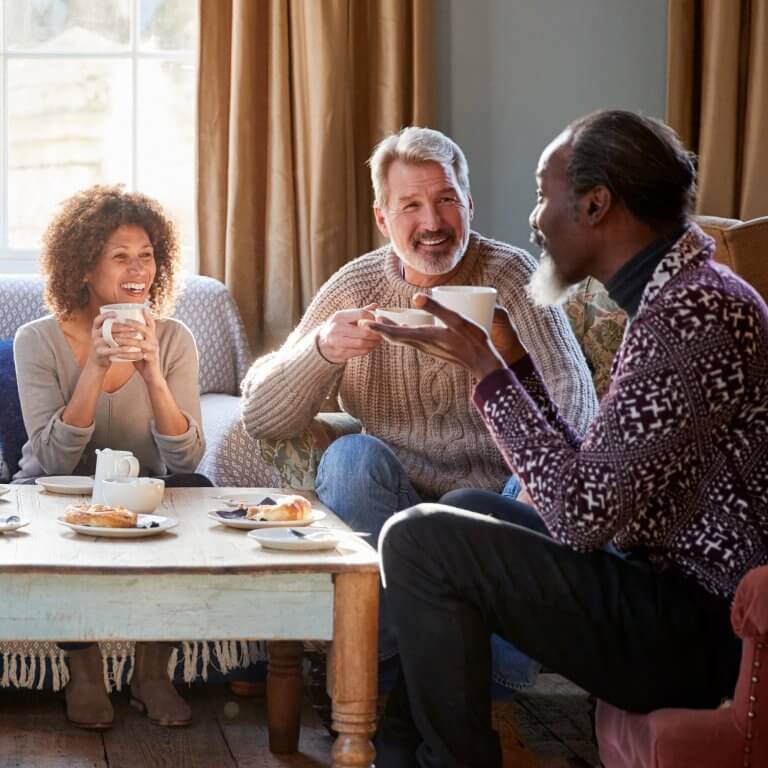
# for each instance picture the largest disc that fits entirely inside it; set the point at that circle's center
(34, 733)
(545, 727)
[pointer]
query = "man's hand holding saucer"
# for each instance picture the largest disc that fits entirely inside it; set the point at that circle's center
(461, 341)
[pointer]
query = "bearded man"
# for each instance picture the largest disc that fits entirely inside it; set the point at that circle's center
(622, 577)
(421, 435)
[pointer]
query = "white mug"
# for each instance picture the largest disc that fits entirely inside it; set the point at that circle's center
(405, 315)
(472, 301)
(123, 312)
(111, 464)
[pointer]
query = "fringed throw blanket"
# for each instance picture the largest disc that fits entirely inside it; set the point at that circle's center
(27, 664)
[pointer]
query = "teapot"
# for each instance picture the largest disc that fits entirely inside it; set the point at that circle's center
(111, 464)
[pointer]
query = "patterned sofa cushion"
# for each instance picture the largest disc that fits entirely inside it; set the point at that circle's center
(598, 324)
(232, 456)
(207, 308)
(296, 459)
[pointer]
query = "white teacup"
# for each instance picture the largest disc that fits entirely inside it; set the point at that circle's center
(405, 315)
(139, 494)
(123, 312)
(472, 301)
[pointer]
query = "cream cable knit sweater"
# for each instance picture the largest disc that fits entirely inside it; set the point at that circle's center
(421, 407)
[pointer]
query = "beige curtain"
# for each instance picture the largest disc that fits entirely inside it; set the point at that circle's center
(717, 99)
(292, 96)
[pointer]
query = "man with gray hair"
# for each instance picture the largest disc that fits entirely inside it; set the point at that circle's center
(421, 435)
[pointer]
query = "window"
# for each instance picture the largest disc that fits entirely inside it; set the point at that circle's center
(94, 92)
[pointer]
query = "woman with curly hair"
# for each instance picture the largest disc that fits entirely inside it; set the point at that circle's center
(108, 246)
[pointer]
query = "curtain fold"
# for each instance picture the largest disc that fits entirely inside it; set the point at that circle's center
(717, 99)
(292, 97)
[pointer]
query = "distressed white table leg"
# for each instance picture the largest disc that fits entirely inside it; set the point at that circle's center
(284, 692)
(355, 668)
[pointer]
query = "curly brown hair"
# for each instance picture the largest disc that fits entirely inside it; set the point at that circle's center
(76, 236)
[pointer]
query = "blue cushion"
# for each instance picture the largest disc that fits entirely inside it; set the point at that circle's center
(12, 432)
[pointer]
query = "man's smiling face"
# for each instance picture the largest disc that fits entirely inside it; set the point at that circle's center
(426, 216)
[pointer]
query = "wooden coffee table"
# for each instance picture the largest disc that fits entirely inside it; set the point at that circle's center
(204, 581)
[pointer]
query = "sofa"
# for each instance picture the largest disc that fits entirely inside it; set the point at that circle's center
(205, 305)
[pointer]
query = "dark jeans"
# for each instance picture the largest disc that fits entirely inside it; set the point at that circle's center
(639, 638)
(190, 480)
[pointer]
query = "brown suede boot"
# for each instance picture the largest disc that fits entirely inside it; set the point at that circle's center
(88, 705)
(151, 689)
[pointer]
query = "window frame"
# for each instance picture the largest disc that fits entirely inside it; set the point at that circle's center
(25, 260)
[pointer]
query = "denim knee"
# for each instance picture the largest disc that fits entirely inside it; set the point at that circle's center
(353, 460)
(363, 482)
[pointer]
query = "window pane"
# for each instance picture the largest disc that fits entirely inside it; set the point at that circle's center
(168, 25)
(68, 24)
(166, 140)
(69, 126)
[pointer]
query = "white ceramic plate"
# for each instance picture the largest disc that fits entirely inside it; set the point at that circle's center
(8, 527)
(164, 524)
(73, 485)
(4, 489)
(241, 522)
(283, 539)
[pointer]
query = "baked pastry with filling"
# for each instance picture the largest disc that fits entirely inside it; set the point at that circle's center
(289, 508)
(100, 516)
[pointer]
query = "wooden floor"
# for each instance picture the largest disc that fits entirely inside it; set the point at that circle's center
(547, 727)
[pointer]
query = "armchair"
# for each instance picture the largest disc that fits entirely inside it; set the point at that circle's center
(733, 736)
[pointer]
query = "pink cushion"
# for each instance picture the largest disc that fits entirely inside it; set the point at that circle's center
(683, 738)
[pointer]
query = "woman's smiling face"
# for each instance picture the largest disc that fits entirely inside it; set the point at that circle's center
(125, 269)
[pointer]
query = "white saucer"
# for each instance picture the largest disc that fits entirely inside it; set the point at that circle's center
(165, 523)
(241, 522)
(73, 485)
(283, 539)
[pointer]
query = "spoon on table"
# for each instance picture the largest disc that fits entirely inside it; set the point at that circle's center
(307, 532)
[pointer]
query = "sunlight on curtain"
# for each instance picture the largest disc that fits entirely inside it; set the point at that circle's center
(292, 98)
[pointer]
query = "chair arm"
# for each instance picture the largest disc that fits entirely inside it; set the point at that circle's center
(296, 459)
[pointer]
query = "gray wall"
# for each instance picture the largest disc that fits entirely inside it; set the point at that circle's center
(512, 73)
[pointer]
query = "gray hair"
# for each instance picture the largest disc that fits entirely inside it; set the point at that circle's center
(415, 145)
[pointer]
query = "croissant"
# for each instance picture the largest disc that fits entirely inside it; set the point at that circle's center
(288, 508)
(100, 516)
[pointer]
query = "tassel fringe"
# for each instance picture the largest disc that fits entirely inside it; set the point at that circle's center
(28, 670)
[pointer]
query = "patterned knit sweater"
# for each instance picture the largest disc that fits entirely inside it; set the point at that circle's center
(675, 464)
(421, 407)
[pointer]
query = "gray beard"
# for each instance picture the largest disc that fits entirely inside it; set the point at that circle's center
(546, 288)
(441, 265)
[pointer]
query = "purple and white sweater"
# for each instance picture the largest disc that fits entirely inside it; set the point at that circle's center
(675, 464)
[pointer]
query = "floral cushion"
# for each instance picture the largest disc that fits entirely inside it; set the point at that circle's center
(598, 323)
(296, 459)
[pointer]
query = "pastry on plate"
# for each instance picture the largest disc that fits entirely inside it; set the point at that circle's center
(100, 516)
(289, 508)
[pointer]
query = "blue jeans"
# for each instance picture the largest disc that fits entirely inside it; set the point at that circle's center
(364, 483)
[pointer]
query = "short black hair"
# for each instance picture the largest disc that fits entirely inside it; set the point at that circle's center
(639, 159)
